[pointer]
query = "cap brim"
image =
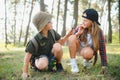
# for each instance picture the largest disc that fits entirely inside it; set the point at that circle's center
(84, 16)
(98, 23)
(90, 19)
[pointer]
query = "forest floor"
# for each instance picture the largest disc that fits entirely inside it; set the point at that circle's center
(11, 63)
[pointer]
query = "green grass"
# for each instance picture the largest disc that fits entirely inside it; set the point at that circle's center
(115, 38)
(11, 62)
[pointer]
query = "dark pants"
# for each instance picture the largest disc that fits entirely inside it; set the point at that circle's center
(52, 61)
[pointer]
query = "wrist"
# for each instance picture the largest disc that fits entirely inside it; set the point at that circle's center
(76, 35)
(24, 75)
(103, 67)
(25, 69)
(67, 35)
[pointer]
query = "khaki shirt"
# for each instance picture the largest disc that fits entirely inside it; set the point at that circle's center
(45, 44)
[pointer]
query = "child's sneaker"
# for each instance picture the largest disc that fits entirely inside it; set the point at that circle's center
(86, 64)
(59, 67)
(74, 67)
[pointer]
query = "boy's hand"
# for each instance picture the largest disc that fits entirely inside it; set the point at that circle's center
(24, 75)
(70, 32)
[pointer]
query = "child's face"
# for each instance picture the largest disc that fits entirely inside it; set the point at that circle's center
(48, 26)
(87, 23)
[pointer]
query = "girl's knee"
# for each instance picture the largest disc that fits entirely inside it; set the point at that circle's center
(87, 53)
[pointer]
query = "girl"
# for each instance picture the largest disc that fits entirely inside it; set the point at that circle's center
(87, 40)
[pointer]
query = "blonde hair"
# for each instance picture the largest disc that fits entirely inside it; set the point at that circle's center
(95, 36)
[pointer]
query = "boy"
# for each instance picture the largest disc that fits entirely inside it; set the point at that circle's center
(48, 48)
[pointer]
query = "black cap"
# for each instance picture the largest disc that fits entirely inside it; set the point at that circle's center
(91, 14)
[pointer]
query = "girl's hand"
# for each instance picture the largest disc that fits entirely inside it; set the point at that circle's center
(79, 30)
(103, 70)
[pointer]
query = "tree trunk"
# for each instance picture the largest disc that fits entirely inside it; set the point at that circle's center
(14, 23)
(22, 21)
(5, 26)
(76, 12)
(65, 15)
(110, 26)
(42, 5)
(102, 9)
(58, 15)
(27, 30)
(89, 3)
(104, 19)
(119, 20)
(52, 7)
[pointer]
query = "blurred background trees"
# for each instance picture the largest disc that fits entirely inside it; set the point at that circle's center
(16, 17)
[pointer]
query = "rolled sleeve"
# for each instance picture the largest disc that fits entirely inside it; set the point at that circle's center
(30, 47)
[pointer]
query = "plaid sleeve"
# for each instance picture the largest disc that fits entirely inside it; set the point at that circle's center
(102, 49)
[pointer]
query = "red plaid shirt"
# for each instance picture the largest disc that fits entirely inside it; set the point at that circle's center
(102, 50)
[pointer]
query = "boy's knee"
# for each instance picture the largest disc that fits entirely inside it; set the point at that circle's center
(42, 63)
(57, 47)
